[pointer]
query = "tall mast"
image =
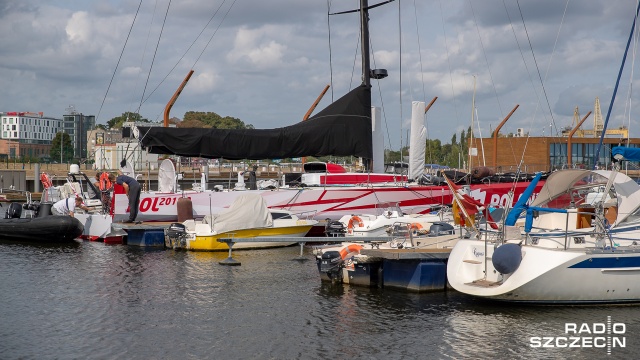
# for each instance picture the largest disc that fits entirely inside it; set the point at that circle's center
(364, 36)
(473, 106)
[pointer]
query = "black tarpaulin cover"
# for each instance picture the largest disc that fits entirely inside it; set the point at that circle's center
(341, 129)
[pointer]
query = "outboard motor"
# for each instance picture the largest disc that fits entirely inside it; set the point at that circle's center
(334, 229)
(441, 228)
(175, 236)
(14, 211)
(330, 266)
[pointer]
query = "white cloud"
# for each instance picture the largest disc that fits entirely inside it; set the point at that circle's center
(257, 47)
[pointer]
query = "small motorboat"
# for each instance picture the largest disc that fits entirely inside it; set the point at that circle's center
(38, 226)
(247, 217)
(388, 216)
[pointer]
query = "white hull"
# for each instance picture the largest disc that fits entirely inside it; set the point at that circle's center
(96, 226)
(547, 275)
(324, 202)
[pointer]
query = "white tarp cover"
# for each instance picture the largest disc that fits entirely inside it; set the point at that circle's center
(247, 211)
(378, 140)
(418, 141)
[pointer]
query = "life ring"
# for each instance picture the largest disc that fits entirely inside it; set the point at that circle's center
(352, 223)
(416, 229)
(46, 180)
(105, 183)
(353, 248)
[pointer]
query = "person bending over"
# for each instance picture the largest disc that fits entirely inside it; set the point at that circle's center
(132, 189)
(68, 206)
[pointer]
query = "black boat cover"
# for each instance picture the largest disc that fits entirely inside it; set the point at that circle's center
(341, 129)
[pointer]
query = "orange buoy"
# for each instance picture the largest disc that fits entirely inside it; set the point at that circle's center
(353, 248)
(352, 223)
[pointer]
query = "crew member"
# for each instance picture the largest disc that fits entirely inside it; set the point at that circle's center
(68, 206)
(132, 189)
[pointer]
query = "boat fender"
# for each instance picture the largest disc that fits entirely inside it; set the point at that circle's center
(184, 209)
(506, 258)
(347, 250)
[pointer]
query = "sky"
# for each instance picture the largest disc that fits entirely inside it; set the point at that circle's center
(266, 62)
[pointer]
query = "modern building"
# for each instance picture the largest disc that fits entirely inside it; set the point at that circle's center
(544, 153)
(576, 147)
(27, 134)
(76, 125)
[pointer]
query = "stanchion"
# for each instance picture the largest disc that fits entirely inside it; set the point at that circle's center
(229, 261)
(301, 258)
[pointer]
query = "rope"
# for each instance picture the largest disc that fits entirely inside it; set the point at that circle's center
(119, 59)
(446, 45)
(155, 53)
(189, 48)
(484, 53)
(537, 68)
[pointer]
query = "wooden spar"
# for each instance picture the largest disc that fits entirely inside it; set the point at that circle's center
(313, 106)
(429, 106)
(167, 108)
(571, 136)
(315, 103)
(495, 137)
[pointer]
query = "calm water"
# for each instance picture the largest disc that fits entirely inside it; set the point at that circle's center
(91, 301)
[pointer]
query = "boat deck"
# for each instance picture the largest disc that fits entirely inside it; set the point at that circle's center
(483, 283)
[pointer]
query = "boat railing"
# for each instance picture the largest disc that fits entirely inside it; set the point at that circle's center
(584, 219)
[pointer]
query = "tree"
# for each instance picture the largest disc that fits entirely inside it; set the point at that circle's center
(67, 147)
(213, 120)
(194, 124)
(434, 152)
(117, 121)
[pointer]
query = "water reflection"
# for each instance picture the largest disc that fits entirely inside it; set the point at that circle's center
(93, 301)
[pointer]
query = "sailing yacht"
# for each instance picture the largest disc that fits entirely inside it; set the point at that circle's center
(344, 128)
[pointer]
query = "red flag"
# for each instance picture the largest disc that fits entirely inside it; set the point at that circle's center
(470, 205)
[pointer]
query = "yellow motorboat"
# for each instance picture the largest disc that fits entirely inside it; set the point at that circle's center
(247, 217)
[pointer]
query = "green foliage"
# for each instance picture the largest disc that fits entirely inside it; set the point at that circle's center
(453, 155)
(117, 121)
(213, 120)
(63, 139)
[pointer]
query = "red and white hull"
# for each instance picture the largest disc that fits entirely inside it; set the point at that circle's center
(320, 203)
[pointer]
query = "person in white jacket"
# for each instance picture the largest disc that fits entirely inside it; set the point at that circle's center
(68, 206)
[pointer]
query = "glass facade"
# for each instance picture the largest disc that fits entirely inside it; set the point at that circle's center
(581, 155)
